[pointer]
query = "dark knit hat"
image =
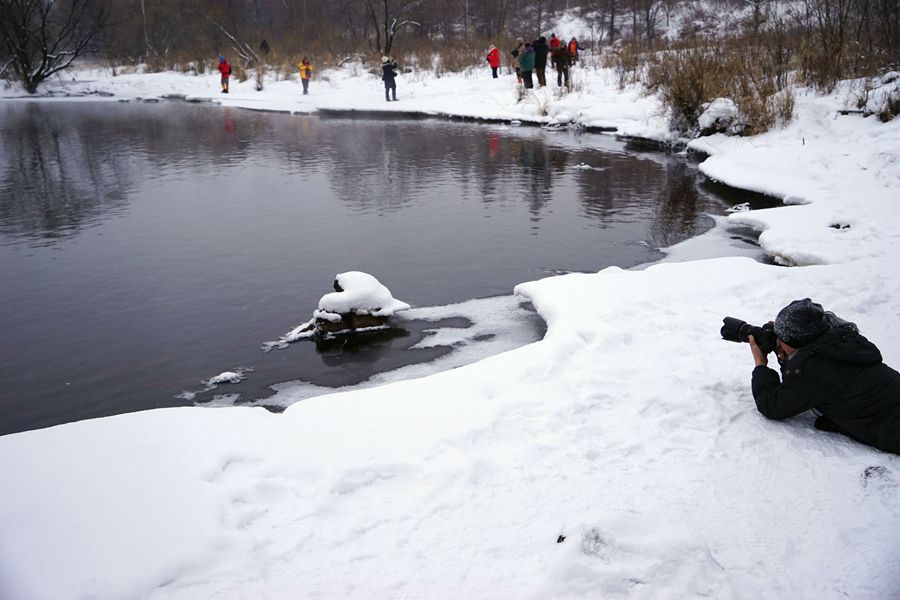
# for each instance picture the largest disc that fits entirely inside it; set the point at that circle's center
(800, 322)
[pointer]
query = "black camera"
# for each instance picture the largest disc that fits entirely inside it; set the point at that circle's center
(735, 330)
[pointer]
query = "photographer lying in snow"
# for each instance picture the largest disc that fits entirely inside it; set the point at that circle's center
(827, 366)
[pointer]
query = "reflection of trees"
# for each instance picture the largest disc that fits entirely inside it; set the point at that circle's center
(385, 166)
(618, 184)
(377, 168)
(54, 182)
(680, 210)
(67, 166)
(664, 194)
(536, 179)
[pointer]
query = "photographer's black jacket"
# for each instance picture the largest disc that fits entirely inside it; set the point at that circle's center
(841, 375)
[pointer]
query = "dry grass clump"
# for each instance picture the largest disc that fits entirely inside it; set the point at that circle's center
(689, 78)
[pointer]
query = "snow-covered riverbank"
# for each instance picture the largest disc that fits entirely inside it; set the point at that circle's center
(629, 430)
(473, 94)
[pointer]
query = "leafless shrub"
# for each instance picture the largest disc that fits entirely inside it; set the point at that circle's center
(541, 98)
(687, 79)
(628, 62)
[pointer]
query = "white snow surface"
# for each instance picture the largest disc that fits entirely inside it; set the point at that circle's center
(719, 111)
(362, 294)
(629, 429)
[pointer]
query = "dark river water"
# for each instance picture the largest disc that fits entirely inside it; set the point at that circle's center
(145, 248)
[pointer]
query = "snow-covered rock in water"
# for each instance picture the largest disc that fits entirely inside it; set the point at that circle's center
(359, 301)
(721, 116)
(226, 377)
(360, 293)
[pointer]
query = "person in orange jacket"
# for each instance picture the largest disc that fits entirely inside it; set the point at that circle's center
(306, 70)
(225, 71)
(493, 58)
(573, 50)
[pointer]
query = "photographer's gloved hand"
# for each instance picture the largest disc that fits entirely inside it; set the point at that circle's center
(759, 357)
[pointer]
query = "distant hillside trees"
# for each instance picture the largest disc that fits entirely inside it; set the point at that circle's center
(42, 37)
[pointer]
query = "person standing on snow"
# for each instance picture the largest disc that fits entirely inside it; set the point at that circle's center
(526, 65)
(827, 366)
(540, 59)
(493, 58)
(561, 61)
(516, 53)
(225, 71)
(554, 41)
(573, 50)
(388, 76)
(306, 71)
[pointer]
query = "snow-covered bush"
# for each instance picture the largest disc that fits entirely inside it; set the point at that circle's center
(541, 98)
(686, 79)
(690, 79)
(721, 116)
(881, 96)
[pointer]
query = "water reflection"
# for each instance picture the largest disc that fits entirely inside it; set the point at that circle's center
(53, 183)
(59, 179)
(680, 207)
(147, 247)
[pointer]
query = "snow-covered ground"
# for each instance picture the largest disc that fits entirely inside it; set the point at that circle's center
(619, 457)
(473, 94)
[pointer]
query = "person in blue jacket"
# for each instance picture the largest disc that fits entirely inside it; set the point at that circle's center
(526, 65)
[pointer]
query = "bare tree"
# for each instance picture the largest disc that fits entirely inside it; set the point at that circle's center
(388, 21)
(612, 8)
(245, 51)
(43, 37)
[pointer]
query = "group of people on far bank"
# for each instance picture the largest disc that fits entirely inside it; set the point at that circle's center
(529, 59)
(388, 75)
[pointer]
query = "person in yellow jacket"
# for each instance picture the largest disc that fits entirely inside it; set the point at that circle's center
(306, 71)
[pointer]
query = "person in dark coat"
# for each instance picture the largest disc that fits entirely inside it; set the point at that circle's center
(526, 65)
(562, 62)
(540, 59)
(388, 76)
(827, 366)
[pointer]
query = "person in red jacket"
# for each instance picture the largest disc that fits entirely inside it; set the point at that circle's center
(554, 41)
(493, 58)
(225, 70)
